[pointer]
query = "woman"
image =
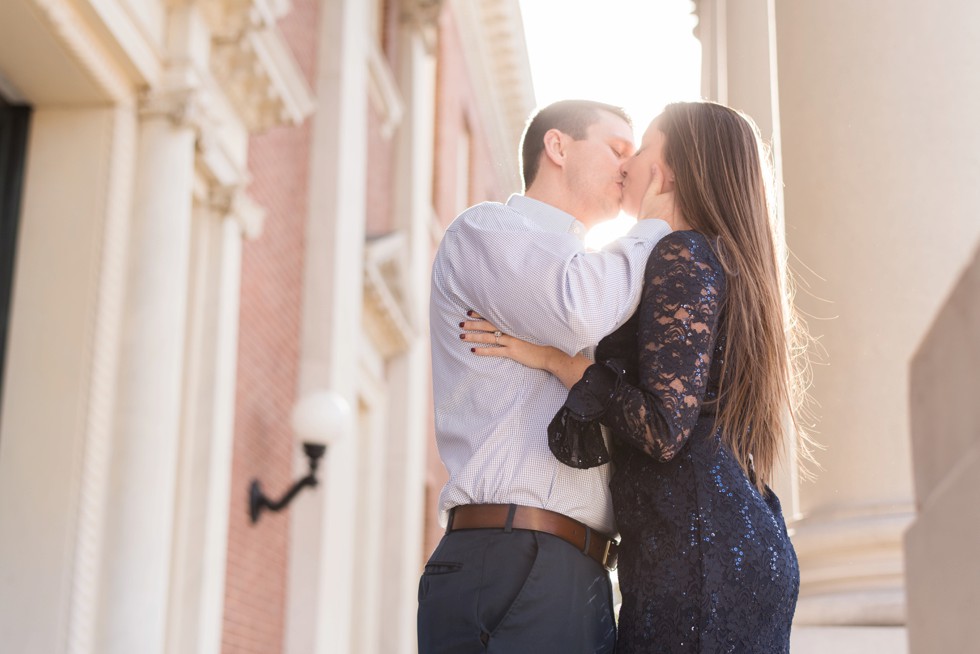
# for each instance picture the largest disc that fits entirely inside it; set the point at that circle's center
(694, 389)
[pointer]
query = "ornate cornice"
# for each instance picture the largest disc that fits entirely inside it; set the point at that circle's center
(230, 19)
(253, 64)
(262, 79)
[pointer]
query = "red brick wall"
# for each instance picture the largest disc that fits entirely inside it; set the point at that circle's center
(456, 111)
(380, 176)
(268, 358)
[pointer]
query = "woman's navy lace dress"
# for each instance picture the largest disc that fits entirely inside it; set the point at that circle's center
(705, 562)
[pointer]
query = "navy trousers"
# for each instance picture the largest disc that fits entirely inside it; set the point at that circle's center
(513, 592)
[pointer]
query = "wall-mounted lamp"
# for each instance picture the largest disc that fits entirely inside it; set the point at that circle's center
(319, 418)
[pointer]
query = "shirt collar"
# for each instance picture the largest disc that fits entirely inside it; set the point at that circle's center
(548, 217)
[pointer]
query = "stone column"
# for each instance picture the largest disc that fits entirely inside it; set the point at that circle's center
(140, 522)
(879, 198)
(223, 217)
(880, 201)
(410, 382)
(323, 535)
(140, 515)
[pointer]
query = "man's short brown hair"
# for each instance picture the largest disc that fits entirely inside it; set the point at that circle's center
(572, 117)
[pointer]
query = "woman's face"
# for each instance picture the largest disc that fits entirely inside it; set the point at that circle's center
(638, 170)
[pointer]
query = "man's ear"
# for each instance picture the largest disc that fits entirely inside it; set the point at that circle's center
(554, 146)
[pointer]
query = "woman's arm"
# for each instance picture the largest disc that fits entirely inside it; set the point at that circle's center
(678, 320)
(655, 406)
(484, 336)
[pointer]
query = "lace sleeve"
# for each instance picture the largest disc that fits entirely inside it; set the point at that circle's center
(574, 435)
(674, 331)
(678, 320)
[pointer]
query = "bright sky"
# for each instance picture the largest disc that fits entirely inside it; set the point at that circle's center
(637, 54)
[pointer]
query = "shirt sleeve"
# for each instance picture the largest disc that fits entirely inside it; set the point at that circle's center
(543, 286)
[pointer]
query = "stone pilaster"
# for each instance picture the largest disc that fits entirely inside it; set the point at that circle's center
(141, 513)
(405, 463)
(859, 151)
(148, 412)
(323, 525)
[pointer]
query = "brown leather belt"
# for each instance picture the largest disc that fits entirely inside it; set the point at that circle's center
(494, 516)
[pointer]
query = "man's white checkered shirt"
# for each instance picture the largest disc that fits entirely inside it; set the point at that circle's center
(523, 266)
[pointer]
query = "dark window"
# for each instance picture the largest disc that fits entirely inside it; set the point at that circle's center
(14, 123)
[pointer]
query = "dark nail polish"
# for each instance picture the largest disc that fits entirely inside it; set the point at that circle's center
(472, 349)
(462, 337)
(470, 312)
(461, 325)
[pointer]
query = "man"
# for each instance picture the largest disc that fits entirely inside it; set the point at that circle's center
(522, 566)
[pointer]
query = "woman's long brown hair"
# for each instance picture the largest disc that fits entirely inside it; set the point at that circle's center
(722, 190)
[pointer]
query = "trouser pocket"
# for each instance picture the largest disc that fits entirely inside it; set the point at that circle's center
(510, 560)
(468, 585)
(435, 569)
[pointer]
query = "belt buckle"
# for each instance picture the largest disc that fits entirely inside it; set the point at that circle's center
(610, 557)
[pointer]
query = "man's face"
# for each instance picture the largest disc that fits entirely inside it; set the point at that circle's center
(592, 168)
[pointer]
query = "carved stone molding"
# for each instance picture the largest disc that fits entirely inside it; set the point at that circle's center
(180, 96)
(386, 320)
(234, 203)
(423, 15)
(230, 19)
(253, 64)
(851, 567)
(261, 78)
(184, 107)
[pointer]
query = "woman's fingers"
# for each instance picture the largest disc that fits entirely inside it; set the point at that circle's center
(656, 202)
(483, 338)
(656, 180)
(477, 326)
(486, 340)
(502, 352)
(486, 344)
